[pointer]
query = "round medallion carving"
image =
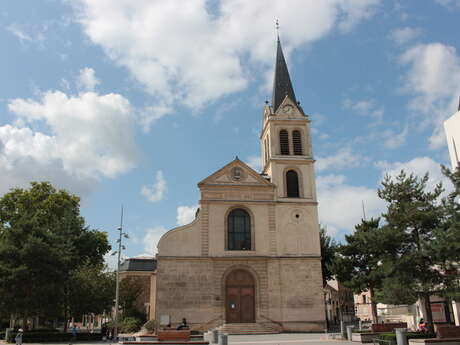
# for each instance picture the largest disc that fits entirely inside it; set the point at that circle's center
(237, 174)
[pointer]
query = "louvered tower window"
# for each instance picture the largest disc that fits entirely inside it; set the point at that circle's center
(292, 184)
(297, 142)
(284, 142)
(239, 230)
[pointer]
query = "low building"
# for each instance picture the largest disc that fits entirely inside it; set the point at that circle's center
(142, 269)
(443, 311)
(339, 303)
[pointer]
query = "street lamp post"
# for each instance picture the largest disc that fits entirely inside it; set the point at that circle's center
(117, 286)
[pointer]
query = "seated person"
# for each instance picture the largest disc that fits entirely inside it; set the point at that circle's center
(183, 325)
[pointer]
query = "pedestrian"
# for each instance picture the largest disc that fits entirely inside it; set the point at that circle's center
(422, 326)
(74, 333)
(18, 337)
(183, 325)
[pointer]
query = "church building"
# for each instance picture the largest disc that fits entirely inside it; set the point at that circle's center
(251, 258)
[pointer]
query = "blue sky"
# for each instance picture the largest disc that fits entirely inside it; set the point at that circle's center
(135, 102)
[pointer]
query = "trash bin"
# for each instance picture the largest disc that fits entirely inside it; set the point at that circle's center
(349, 332)
(223, 339)
(215, 336)
(401, 336)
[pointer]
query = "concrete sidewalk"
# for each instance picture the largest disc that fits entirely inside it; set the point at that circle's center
(263, 339)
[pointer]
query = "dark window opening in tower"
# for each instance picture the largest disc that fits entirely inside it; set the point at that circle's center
(266, 151)
(292, 184)
(284, 142)
(297, 142)
(239, 230)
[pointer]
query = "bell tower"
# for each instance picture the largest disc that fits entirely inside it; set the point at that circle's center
(286, 140)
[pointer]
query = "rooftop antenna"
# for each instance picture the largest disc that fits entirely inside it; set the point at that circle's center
(364, 211)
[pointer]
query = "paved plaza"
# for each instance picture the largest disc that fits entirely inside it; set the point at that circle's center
(286, 338)
(270, 339)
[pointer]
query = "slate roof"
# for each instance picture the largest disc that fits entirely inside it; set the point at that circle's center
(282, 85)
(138, 264)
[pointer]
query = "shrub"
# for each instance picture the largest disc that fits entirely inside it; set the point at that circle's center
(150, 326)
(130, 325)
(40, 337)
(390, 338)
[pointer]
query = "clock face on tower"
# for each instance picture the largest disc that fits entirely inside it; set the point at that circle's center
(288, 109)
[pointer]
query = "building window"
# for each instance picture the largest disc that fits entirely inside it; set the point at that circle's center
(239, 230)
(292, 184)
(297, 142)
(284, 142)
(364, 299)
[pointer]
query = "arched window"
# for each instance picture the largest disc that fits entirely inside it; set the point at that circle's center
(239, 230)
(297, 142)
(292, 184)
(284, 142)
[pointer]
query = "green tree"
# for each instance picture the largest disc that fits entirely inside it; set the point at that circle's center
(357, 263)
(328, 249)
(43, 242)
(446, 239)
(414, 216)
(92, 290)
(131, 289)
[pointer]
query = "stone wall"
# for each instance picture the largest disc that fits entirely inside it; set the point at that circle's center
(288, 291)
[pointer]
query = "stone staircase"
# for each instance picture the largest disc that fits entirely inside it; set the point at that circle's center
(249, 328)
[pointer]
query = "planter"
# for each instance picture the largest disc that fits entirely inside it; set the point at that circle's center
(364, 337)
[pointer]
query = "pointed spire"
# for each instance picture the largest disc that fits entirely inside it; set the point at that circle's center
(282, 85)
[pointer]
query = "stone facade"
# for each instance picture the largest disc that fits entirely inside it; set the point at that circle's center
(196, 262)
(194, 288)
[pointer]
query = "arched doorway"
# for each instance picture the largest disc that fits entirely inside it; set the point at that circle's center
(240, 297)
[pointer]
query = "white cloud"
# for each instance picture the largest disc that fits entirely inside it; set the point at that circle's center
(151, 238)
(366, 107)
(21, 35)
(394, 140)
(254, 162)
(344, 158)
(157, 191)
(112, 260)
(404, 35)
(71, 141)
(418, 166)
(186, 214)
(149, 115)
(140, 36)
(38, 36)
(87, 80)
(341, 205)
(433, 78)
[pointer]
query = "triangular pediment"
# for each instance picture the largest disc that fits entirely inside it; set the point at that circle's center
(289, 109)
(235, 173)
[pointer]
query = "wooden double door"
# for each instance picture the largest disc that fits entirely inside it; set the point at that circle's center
(240, 297)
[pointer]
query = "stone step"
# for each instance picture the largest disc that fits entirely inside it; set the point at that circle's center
(248, 328)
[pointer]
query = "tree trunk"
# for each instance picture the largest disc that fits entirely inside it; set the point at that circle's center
(373, 306)
(428, 312)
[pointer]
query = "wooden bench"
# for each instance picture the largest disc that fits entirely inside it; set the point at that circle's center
(183, 335)
(448, 332)
(387, 327)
